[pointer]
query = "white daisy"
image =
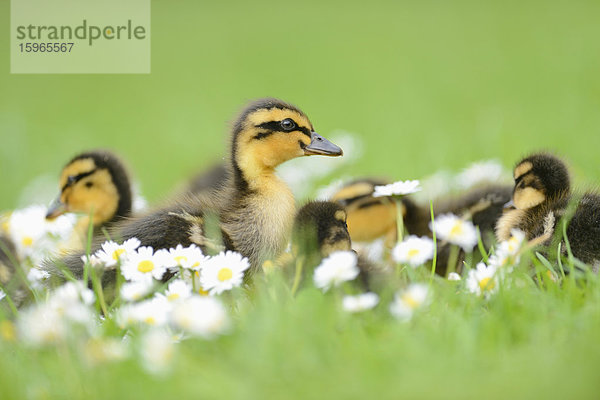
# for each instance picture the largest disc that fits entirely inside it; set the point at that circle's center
(27, 229)
(113, 253)
(178, 290)
(36, 277)
(360, 302)
(94, 260)
(157, 351)
(223, 272)
(414, 251)
(339, 267)
(187, 257)
(145, 262)
(479, 172)
(406, 302)
(455, 230)
(512, 246)
(153, 312)
(200, 315)
(2, 294)
(40, 325)
(399, 188)
(134, 291)
(482, 280)
(453, 276)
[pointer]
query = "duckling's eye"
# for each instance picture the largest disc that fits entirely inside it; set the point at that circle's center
(89, 184)
(288, 124)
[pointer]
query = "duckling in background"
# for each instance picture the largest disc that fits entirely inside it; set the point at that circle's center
(254, 210)
(541, 197)
(371, 217)
(319, 230)
(215, 177)
(93, 182)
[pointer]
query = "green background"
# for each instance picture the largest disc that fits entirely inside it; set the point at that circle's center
(428, 85)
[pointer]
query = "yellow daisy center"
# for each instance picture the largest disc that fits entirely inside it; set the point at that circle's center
(27, 241)
(457, 229)
(180, 260)
(145, 266)
(224, 274)
(413, 252)
(486, 284)
(117, 253)
(410, 301)
(202, 292)
(196, 264)
(150, 320)
(173, 296)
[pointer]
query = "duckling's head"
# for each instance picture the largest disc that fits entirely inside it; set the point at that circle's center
(321, 225)
(93, 182)
(269, 132)
(538, 178)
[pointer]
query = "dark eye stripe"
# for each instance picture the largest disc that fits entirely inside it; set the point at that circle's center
(275, 126)
(77, 178)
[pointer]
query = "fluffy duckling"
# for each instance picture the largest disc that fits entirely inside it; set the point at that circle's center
(254, 210)
(320, 228)
(541, 196)
(93, 182)
(371, 217)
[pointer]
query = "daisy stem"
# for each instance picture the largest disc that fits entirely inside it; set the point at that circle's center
(452, 259)
(88, 246)
(11, 304)
(97, 285)
(399, 220)
(297, 275)
(434, 261)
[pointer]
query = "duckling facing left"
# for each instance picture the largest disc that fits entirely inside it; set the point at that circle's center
(254, 209)
(96, 183)
(541, 197)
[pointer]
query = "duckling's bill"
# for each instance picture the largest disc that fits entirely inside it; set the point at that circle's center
(321, 146)
(56, 209)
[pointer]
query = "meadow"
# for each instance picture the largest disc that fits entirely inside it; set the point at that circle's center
(425, 86)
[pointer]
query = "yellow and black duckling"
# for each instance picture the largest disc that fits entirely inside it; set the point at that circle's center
(541, 197)
(370, 218)
(254, 209)
(93, 183)
(320, 228)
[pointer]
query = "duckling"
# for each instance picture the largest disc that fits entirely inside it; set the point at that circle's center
(371, 217)
(254, 209)
(93, 182)
(320, 228)
(541, 197)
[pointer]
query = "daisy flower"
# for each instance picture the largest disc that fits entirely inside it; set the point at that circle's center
(409, 300)
(186, 257)
(200, 315)
(223, 272)
(455, 230)
(40, 325)
(157, 351)
(413, 251)
(113, 253)
(143, 263)
(153, 312)
(482, 280)
(399, 188)
(361, 302)
(36, 277)
(27, 229)
(2, 294)
(339, 267)
(453, 276)
(134, 291)
(178, 290)
(512, 246)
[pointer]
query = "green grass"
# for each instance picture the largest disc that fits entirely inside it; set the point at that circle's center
(427, 85)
